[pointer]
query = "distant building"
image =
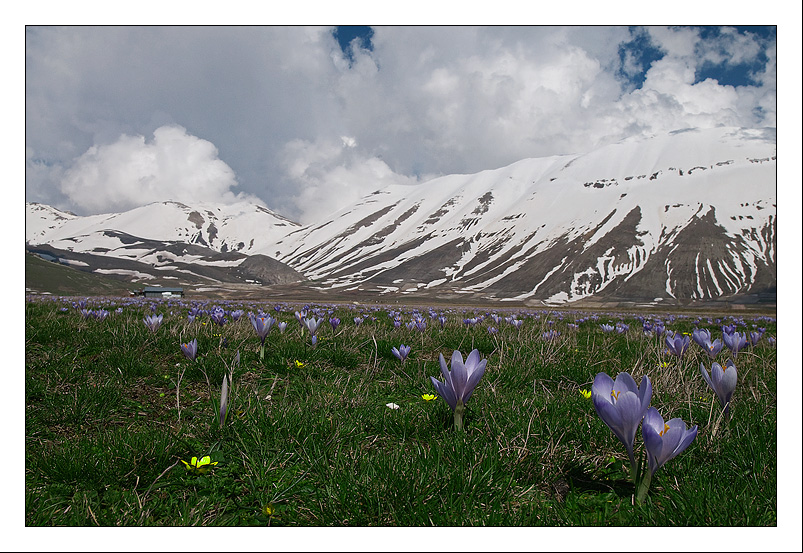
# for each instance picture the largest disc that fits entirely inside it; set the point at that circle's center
(160, 292)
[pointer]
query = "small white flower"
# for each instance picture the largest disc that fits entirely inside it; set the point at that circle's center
(391, 406)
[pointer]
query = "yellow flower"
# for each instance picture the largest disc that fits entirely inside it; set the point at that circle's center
(586, 394)
(199, 467)
(429, 397)
(268, 510)
(299, 364)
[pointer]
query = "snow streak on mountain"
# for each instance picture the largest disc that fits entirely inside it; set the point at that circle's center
(686, 215)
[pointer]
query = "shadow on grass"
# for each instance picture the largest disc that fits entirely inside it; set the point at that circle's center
(583, 479)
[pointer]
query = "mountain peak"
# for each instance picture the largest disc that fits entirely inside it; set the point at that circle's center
(685, 215)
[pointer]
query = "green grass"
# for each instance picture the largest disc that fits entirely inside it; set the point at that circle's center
(55, 278)
(112, 409)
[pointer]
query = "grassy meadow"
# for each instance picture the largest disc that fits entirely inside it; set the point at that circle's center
(339, 433)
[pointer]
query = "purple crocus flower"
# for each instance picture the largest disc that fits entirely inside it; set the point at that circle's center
(701, 336)
(218, 315)
(312, 324)
(101, 314)
(358, 321)
(722, 382)
(735, 341)
(607, 328)
(713, 348)
(281, 326)
(334, 321)
(401, 353)
(459, 382)
(153, 322)
(677, 343)
(664, 440)
(190, 349)
(262, 325)
(703, 339)
(621, 405)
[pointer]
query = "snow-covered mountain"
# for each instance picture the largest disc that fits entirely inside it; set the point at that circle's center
(166, 240)
(242, 227)
(686, 215)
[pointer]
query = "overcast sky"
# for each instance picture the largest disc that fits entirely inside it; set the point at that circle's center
(117, 117)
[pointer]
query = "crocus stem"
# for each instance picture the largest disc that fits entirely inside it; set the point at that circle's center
(458, 415)
(635, 468)
(262, 351)
(643, 486)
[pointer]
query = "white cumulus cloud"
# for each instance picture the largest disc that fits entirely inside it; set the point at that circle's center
(307, 129)
(331, 175)
(131, 171)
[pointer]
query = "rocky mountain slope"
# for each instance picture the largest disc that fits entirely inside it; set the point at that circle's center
(689, 215)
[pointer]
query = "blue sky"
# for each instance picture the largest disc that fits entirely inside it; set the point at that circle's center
(308, 119)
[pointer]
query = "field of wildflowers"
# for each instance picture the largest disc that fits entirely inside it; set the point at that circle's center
(219, 413)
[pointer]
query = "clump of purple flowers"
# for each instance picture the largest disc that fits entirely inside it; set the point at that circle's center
(677, 343)
(401, 353)
(153, 322)
(735, 341)
(622, 405)
(702, 337)
(218, 315)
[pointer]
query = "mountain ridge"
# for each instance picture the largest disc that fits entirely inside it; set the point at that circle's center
(688, 215)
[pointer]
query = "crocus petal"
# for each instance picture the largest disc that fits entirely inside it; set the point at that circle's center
(672, 438)
(610, 415)
(728, 381)
(602, 387)
(688, 438)
(445, 370)
(474, 379)
(707, 378)
(651, 430)
(716, 377)
(459, 375)
(645, 393)
(445, 392)
(624, 382)
(224, 399)
(664, 441)
(472, 361)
